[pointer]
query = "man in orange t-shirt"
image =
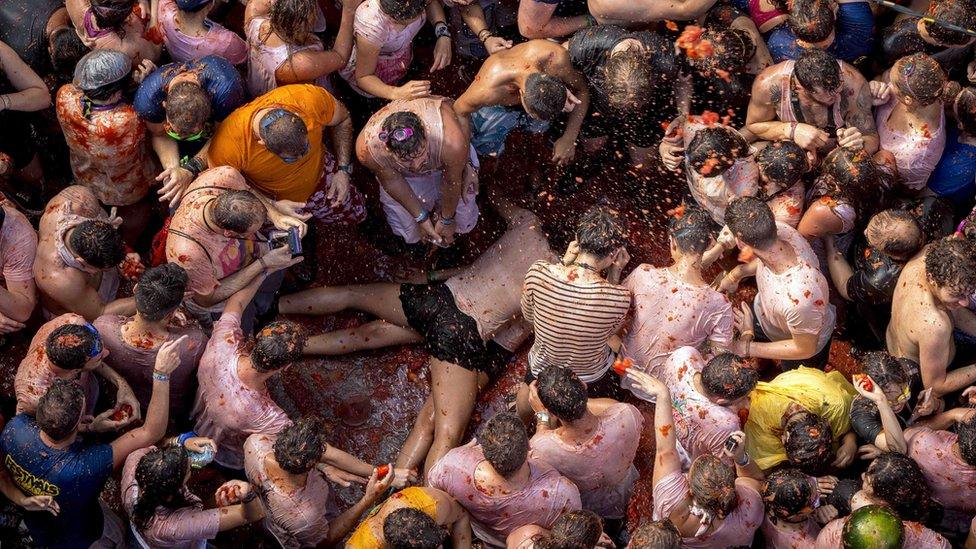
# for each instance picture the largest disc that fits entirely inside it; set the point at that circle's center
(275, 141)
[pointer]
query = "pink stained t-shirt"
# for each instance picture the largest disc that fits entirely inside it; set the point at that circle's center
(34, 374)
(182, 48)
(601, 467)
(916, 153)
(184, 528)
(297, 518)
(668, 313)
(953, 481)
(714, 193)
(395, 43)
(916, 536)
(18, 245)
(701, 426)
(738, 528)
(490, 290)
(493, 516)
(795, 301)
(226, 410)
(778, 536)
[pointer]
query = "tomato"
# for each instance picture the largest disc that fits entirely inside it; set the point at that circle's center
(621, 366)
(865, 380)
(124, 412)
(382, 471)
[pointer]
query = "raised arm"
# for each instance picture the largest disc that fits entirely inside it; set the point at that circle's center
(840, 270)
(31, 94)
(345, 522)
(308, 65)
(564, 148)
(666, 460)
(891, 438)
(536, 20)
(857, 108)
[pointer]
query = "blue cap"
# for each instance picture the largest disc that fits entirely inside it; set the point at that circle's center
(192, 5)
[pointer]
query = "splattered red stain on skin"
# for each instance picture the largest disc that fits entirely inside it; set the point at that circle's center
(665, 430)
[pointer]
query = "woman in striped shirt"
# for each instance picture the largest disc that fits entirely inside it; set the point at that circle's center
(577, 305)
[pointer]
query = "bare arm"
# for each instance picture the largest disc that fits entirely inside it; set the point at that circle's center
(945, 420)
(840, 270)
(31, 94)
(964, 320)
(576, 84)
(367, 55)
(80, 298)
(536, 20)
(165, 147)
(308, 65)
(347, 462)
(340, 129)
(761, 116)
(232, 284)
(800, 347)
(234, 516)
(933, 356)
(18, 299)
(858, 112)
(239, 301)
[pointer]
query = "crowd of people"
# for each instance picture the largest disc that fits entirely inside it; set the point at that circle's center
(170, 168)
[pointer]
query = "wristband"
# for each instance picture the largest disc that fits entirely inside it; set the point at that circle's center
(193, 165)
(345, 168)
(485, 34)
(181, 440)
(441, 30)
(590, 20)
(249, 497)
(748, 348)
(446, 221)
(159, 376)
(745, 461)
(423, 216)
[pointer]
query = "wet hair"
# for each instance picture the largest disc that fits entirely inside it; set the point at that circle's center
(104, 93)
(403, 10)
(407, 148)
(729, 377)
(966, 433)
(188, 107)
(544, 95)
(59, 410)
(505, 443)
(713, 484)
(840, 498)
(160, 475)
(659, 534)
(900, 39)
(732, 50)
(299, 446)
(292, 20)
(951, 262)
(628, 81)
(808, 442)
(752, 222)
(851, 174)
(573, 530)
(715, 149)
(817, 69)
(562, 393)
(238, 211)
(600, 231)
(98, 243)
(693, 232)
(70, 346)
(787, 493)
(898, 481)
(160, 291)
(66, 50)
(961, 13)
(409, 528)
(286, 135)
(277, 345)
(783, 163)
(964, 107)
(900, 232)
(920, 77)
(934, 215)
(112, 14)
(811, 20)
(885, 370)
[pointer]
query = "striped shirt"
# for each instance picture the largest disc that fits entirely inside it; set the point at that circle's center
(573, 316)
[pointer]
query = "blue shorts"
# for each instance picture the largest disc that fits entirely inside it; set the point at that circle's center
(852, 39)
(954, 177)
(491, 126)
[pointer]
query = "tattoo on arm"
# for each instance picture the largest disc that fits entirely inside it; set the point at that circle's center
(857, 113)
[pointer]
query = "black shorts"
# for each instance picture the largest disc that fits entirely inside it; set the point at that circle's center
(449, 334)
(607, 386)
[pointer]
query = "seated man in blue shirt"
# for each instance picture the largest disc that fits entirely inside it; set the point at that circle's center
(181, 102)
(45, 457)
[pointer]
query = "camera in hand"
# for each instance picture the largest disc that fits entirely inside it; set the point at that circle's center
(290, 238)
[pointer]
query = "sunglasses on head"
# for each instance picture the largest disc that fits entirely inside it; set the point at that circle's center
(271, 118)
(194, 137)
(97, 347)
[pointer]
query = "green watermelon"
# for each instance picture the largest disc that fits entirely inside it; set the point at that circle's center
(873, 527)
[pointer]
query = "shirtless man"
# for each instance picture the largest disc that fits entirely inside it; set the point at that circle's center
(638, 14)
(500, 485)
(18, 246)
(811, 100)
(79, 250)
(426, 168)
(589, 431)
(931, 286)
(537, 76)
(385, 527)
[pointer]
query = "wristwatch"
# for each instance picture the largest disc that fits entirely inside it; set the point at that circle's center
(441, 30)
(345, 168)
(543, 418)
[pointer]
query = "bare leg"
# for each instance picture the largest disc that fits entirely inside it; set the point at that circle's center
(454, 391)
(381, 299)
(372, 335)
(421, 436)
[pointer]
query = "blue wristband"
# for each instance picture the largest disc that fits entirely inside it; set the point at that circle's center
(424, 216)
(181, 440)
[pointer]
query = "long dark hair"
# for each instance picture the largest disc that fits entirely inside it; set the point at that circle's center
(111, 14)
(160, 475)
(898, 481)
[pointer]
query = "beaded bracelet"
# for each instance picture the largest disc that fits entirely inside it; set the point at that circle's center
(159, 376)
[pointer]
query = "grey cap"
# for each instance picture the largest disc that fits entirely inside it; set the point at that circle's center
(101, 67)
